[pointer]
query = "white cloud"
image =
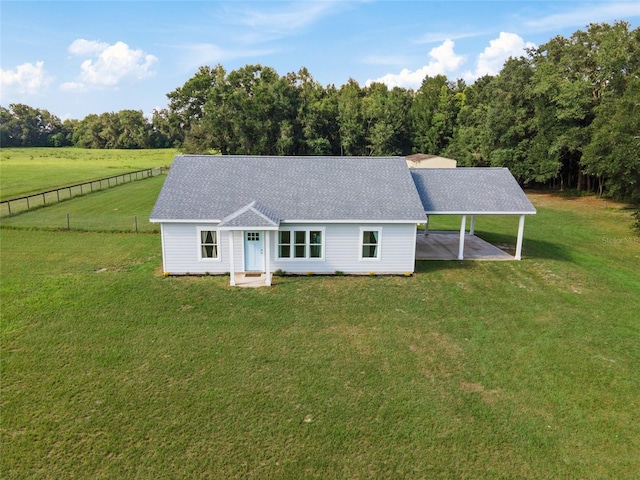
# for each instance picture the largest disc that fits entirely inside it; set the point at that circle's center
(208, 54)
(492, 59)
(385, 60)
(293, 17)
(269, 21)
(87, 47)
(443, 60)
(28, 78)
(112, 64)
(585, 14)
(435, 37)
(73, 87)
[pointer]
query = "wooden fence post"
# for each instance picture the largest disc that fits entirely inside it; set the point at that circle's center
(68, 224)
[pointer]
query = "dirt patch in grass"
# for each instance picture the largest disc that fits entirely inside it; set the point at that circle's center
(486, 396)
(570, 202)
(439, 356)
(357, 336)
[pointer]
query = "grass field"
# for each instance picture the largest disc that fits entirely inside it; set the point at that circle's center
(113, 209)
(30, 170)
(465, 370)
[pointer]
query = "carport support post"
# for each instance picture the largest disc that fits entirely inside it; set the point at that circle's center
(463, 226)
(472, 227)
(520, 235)
(232, 270)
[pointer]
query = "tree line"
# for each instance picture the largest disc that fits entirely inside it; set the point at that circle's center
(566, 114)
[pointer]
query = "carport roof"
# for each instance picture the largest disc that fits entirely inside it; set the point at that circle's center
(460, 191)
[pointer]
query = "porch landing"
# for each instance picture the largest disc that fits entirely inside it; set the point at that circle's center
(444, 246)
(251, 280)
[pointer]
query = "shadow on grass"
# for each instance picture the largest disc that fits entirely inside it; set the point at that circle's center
(426, 266)
(532, 249)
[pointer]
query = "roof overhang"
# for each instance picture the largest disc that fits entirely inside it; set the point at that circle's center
(246, 227)
(184, 220)
(471, 212)
(291, 222)
(353, 221)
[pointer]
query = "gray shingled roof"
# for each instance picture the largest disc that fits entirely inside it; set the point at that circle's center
(470, 190)
(212, 188)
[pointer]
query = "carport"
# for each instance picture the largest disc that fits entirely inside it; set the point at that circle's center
(470, 192)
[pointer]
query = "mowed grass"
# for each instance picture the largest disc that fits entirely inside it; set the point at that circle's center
(465, 370)
(114, 209)
(24, 171)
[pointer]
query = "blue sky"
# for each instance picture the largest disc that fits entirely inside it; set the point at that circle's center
(74, 58)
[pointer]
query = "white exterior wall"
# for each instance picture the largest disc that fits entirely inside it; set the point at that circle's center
(181, 246)
(342, 245)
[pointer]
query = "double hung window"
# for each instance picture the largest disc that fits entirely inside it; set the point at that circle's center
(284, 244)
(209, 244)
(300, 247)
(370, 244)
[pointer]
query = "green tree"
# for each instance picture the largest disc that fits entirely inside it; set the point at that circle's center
(187, 108)
(87, 132)
(25, 126)
(165, 133)
(470, 140)
(252, 112)
(572, 77)
(511, 124)
(350, 119)
(433, 114)
(613, 155)
(386, 114)
(125, 129)
(317, 112)
(133, 131)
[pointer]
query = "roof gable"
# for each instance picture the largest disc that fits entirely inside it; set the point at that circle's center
(211, 188)
(251, 215)
(471, 190)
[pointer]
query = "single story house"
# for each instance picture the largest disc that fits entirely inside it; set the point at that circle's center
(233, 214)
(322, 215)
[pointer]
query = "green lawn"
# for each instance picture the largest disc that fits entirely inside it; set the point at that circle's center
(31, 170)
(465, 370)
(114, 209)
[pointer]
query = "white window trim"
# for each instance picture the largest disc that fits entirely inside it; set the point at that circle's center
(199, 244)
(361, 244)
(307, 247)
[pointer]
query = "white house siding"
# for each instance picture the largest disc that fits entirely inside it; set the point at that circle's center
(181, 250)
(342, 249)
(238, 250)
